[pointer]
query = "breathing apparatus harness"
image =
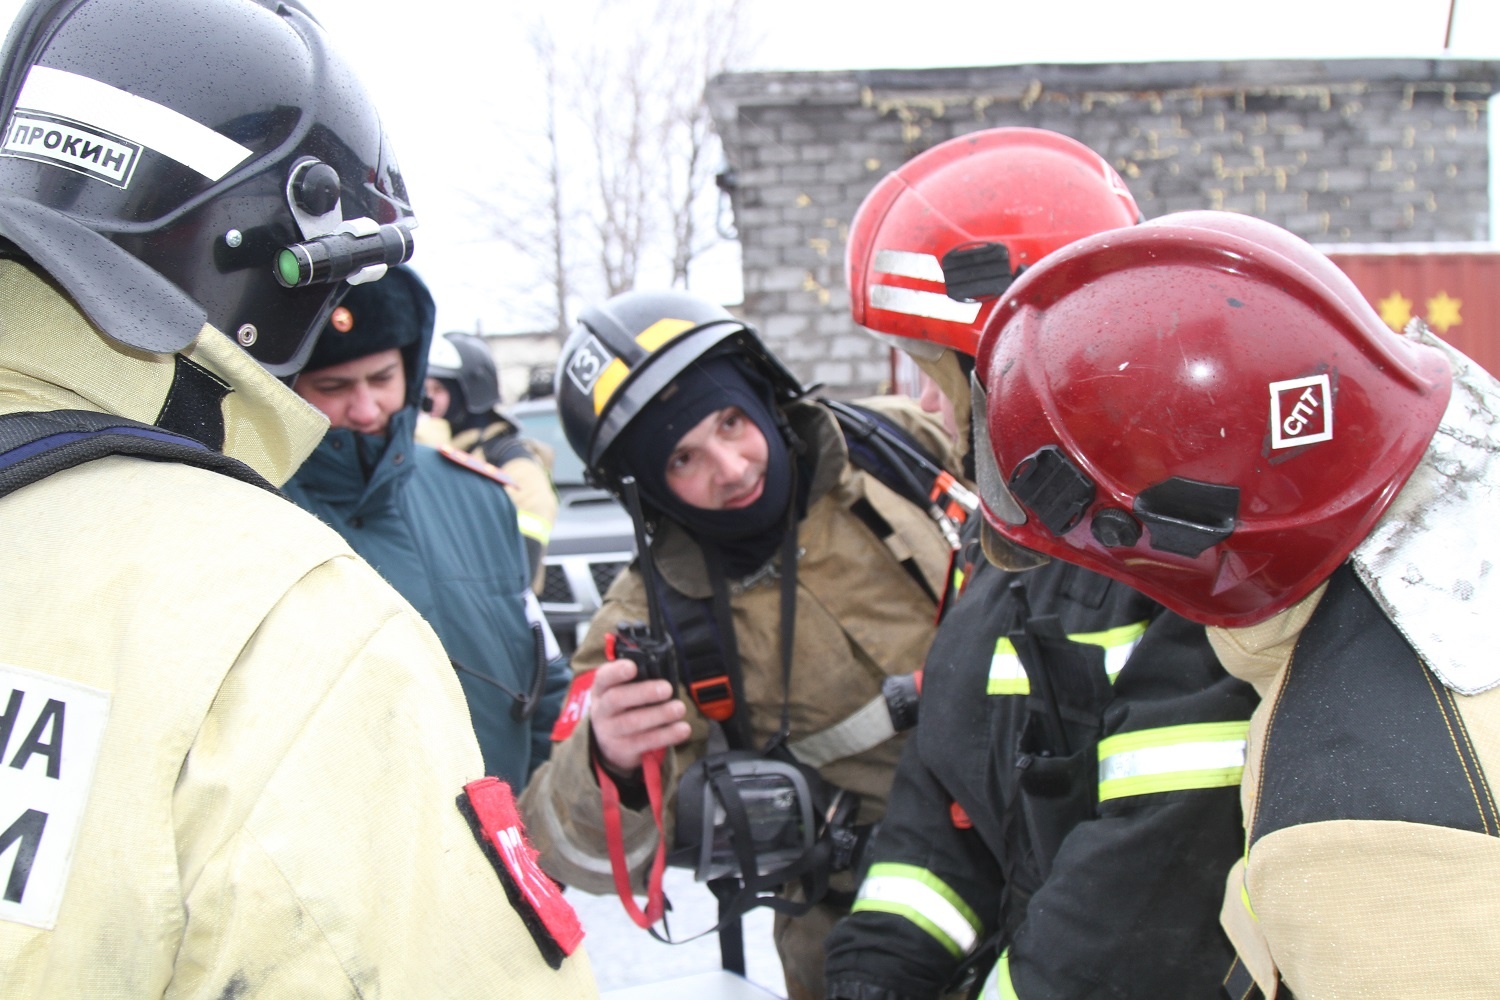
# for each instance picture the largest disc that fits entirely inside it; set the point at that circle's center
(750, 821)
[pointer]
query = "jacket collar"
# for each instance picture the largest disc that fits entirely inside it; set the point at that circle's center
(361, 469)
(52, 358)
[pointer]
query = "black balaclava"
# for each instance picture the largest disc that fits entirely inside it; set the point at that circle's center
(747, 537)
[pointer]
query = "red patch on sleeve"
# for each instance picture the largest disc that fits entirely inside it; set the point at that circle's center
(575, 708)
(961, 820)
(499, 822)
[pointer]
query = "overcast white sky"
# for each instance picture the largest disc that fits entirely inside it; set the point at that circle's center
(443, 70)
(460, 56)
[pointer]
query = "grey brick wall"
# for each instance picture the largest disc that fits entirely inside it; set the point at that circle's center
(1345, 151)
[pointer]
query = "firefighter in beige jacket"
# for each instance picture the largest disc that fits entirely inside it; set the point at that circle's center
(864, 611)
(235, 756)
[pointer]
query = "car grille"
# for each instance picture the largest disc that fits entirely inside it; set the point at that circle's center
(555, 589)
(604, 573)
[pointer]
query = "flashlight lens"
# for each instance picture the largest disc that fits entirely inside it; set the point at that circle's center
(289, 268)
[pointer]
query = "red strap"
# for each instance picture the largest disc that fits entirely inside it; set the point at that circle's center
(614, 838)
(574, 708)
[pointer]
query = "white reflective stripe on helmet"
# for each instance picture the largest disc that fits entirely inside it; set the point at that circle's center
(928, 305)
(1173, 758)
(998, 985)
(909, 264)
(924, 899)
(1007, 676)
(156, 126)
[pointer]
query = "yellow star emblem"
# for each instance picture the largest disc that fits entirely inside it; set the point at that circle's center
(1395, 309)
(1442, 312)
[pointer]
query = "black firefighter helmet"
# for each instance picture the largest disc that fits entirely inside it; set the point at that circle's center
(622, 353)
(463, 358)
(223, 146)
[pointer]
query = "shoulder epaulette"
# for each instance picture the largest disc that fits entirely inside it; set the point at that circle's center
(474, 464)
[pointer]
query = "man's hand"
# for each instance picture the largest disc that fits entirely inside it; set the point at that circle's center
(631, 717)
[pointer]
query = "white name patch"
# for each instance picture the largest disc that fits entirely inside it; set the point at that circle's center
(50, 734)
(1301, 411)
(72, 145)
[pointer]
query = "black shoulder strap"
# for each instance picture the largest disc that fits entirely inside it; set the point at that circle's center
(887, 451)
(705, 652)
(893, 455)
(504, 448)
(34, 445)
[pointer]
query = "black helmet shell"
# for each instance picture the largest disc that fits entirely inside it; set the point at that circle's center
(198, 138)
(624, 352)
(475, 371)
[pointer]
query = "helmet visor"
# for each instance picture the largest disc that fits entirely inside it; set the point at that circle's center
(994, 494)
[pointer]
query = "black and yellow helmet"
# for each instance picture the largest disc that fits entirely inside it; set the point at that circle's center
(624, 352)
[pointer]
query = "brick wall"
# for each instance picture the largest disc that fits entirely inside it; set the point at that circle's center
(1346, 151)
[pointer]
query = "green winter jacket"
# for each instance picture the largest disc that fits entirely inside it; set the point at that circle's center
(445, 536)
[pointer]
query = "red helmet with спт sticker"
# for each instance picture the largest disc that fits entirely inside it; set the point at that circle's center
(1202, 407)
(939, 238)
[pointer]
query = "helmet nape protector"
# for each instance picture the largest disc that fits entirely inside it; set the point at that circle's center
(205, 141)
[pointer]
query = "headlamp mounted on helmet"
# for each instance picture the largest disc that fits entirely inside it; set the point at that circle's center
(261, 200)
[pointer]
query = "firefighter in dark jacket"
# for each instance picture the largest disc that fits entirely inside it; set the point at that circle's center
(1256, 449)
(1066, 810)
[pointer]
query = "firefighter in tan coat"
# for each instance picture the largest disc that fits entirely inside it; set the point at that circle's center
(237, 762)
(463, 400)
(765, 533)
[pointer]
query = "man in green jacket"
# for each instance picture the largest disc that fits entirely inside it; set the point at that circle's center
(437, 524)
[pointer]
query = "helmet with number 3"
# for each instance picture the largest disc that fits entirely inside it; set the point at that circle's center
(625, 351)
(937, 241)
(1203, 407)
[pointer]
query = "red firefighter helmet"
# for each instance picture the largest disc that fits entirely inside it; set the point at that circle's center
(938, 239)
(1202, 407)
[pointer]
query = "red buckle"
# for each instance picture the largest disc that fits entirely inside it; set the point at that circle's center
(714, 697)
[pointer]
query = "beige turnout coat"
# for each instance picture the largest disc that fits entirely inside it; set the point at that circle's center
(251, 792)
(861, 617)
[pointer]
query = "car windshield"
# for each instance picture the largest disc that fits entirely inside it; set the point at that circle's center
(543, 425)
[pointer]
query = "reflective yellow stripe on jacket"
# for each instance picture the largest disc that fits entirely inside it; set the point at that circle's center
(998, 985)
(924, 899)
(1007, 676)
(534, 526)
(1173, 758)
